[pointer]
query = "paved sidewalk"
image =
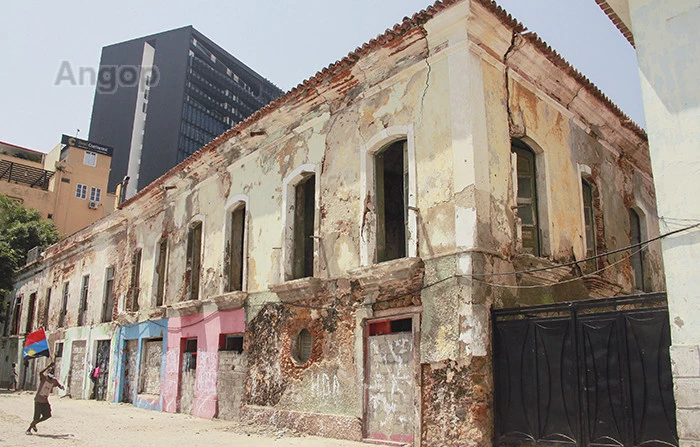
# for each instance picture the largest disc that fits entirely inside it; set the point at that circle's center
(101, 424)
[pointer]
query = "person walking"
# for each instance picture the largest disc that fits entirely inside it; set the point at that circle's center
(42, 408)
(13, 378)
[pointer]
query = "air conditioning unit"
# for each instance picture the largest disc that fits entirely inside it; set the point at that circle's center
(93, 205)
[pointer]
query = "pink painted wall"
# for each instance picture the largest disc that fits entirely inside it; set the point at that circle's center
(206, 328)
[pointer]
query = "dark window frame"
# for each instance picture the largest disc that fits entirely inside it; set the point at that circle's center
(304, 227)
(236, 247)
(527, 197)
(194, 259)
(108, 301)
(391, 200)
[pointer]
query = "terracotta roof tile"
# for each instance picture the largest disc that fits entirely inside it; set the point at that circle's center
(400, 29)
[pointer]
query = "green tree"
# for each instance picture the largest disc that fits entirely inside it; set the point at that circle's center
(20, 230)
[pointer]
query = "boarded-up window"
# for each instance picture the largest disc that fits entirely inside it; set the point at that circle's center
(237, 252)
(527, 197)
(108, 304)
(82, 311)
(161, 271)
(304, 210)
(151, 366)
(194, 259)
(391, 175)
(30, 313)
(135, 287)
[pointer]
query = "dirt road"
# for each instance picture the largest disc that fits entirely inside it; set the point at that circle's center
(101, 424)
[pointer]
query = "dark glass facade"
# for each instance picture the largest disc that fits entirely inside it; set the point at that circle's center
(201, 91)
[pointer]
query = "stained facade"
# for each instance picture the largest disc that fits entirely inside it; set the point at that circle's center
(330, 264)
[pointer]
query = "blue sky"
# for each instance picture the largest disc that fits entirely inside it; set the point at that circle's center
(285, 41)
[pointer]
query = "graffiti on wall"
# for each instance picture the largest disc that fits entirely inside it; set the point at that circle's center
(390, 397)
(77, 369)
(325, 386)
(170, 387)
(207, 366)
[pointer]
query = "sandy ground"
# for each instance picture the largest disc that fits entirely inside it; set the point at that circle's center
(102, 424)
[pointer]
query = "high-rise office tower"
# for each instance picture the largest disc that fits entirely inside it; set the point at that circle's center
(159, 98)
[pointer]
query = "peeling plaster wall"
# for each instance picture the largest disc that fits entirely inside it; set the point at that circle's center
(456, 87)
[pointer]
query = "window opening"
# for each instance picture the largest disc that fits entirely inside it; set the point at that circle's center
(64, 306)
(231, 342)
(16, 315)
(47, 305)
(304, 210)
(135, 280)
(190, 354)
(391, 174)
(589, 219)
(30, 313)
(194, 259)
(237, 251)
(90, 159)
(390, 326)
(527, 197)
(82, 311)
(637, 258)
(108, 305)
(302, 346)
(161, 270)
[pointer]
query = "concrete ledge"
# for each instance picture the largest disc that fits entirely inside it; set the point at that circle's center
(317, 424)
(395, 270)
(298, 289)
(185, 308)
(229, 301)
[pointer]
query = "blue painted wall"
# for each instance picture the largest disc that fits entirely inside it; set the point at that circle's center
(140, 331)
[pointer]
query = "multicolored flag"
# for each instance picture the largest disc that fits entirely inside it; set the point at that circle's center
(36, 345)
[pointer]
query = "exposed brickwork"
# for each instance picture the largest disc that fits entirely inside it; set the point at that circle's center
(457, 409)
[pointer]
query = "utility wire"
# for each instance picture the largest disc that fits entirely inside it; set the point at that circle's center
(475, 276)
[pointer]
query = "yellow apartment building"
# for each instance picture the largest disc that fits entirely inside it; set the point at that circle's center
(67, 185)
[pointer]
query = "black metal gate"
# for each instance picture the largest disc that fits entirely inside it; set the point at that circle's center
(586, 373)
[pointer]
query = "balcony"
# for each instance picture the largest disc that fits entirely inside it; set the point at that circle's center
(19, 173)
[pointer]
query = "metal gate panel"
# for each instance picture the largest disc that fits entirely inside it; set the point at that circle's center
(653, 408)
(589, 373)
(556, 371)
(603, 399)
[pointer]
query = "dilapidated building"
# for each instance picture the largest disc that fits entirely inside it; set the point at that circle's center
(420, 244)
